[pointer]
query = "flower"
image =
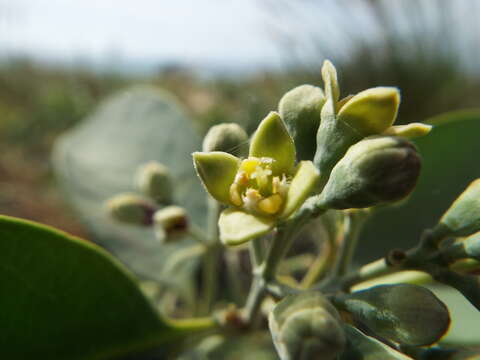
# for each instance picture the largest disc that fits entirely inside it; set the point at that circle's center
(260, 190)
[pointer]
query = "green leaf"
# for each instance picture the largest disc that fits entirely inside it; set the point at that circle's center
(301, 187)
(407, 314)
(271, 139)
(217, 170)
(363, 347)
(237, 226)
(65, 298)
(98, 159)
(300, 109)
(371, 111)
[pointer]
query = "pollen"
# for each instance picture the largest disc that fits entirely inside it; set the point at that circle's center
(249, 165)
(251, 199)
(271, 204)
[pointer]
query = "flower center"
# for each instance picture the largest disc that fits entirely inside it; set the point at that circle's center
(256, 189)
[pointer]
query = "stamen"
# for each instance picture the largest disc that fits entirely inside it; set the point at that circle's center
(235, 195)
(251, 199)
(271, 204)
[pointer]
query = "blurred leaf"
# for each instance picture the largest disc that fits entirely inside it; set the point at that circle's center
(447, 168)
(99, 157)
(363, 347)
(65, 298)
(404, 313)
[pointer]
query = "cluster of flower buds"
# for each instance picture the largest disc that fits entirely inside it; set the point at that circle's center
(151, 206)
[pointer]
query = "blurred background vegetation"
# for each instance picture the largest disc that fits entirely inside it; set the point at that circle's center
(429, 49)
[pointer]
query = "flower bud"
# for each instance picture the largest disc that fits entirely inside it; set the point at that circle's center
(153, 180)
(463, 216)
(306, 326)
(377, 169)
(227, 137)
(131, 209)
(300, 109)
(170, 222)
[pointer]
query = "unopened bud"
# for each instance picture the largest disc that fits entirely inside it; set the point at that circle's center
(306, 326)
(300, 109)
(170, 222)
(131, 209)
(153, 180)
(227, 137)
(376, 170)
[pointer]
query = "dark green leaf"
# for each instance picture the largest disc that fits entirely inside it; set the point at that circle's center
(65, 298)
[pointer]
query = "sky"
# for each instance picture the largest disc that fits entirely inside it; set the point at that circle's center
(186, 30)
(220, 34)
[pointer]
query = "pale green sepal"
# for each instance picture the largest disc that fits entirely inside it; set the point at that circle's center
(329, 76)
(371, 111)
(272, 140)
(301, 187)
(217, 170)
(410, 131)
(236, 226)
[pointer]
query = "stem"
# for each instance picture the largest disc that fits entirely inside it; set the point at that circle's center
(212, 257)
(265, 273)
(353, 225)
(256, 252)
(321, 264)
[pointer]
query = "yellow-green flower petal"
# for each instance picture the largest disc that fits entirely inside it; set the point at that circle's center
(329, 76)
(302, 185)
(272, 140)
(371, 111)
(410, 131)
(217, 171)
(237, 226)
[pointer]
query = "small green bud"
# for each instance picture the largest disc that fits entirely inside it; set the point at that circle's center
(227, 137)
(170, 223)
(463, 216)
(153, 180)
(306, 326)
(300, 109)
(131, 209)
(375, 170)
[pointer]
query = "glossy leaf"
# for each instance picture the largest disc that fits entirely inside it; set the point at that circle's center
(65, 298)
(272, 140)
(364, 347)
(404, 313)
(301, 187)
(237, 226)
(371, 111)
(217, 171)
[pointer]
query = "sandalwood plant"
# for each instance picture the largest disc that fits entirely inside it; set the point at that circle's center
(274, 272)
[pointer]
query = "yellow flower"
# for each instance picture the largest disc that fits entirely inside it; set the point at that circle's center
(262, 189)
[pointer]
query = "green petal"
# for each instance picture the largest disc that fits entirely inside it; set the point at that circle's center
(217, 171)
(302, 185)
(237, 226)
(410, 131)
(371, 111)
(273, 140)
(329, 76)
